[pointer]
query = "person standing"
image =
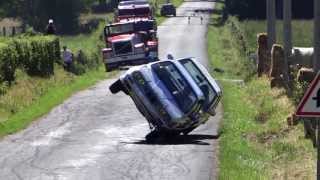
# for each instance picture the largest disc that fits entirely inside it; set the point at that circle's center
(51, 29)
(67, 57)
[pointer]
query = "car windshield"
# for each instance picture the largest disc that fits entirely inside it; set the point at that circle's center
(176, 85)
(201, 81)
(167, 7)
(120, 29)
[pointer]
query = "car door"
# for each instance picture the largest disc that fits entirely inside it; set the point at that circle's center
(206, 83)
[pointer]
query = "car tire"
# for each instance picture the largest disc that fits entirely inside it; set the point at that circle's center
(116, 87)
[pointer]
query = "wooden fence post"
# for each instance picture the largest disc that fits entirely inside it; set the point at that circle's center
(263, 54)
(4, 31)
(271, 18)
(277, 72)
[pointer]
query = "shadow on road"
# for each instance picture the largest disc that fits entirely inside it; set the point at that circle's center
(195, 139)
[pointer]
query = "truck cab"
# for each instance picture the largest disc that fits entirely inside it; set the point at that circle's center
(130, 43)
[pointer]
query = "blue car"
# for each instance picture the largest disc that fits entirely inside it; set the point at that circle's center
(175, 96)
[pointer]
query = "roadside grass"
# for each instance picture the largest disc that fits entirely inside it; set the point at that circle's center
(31, 97)
(58, 89)
(89, 43)
(256, 142)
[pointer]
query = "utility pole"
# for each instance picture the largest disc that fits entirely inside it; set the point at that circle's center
(287, 34)
(316, 51)
(271, 18)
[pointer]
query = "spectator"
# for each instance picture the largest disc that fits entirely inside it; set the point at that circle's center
(67, 57)
(51, 29)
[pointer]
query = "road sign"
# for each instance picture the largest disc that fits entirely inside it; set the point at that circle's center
(310, 103)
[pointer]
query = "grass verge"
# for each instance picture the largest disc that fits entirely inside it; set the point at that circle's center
(53, 97)
(256, 142)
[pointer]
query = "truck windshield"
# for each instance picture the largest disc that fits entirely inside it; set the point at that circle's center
(120, 29)
(176, 85)
(202, 82)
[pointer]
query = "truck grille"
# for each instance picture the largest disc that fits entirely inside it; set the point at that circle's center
(123, 47)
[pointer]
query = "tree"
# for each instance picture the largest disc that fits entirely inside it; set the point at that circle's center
(256, 9)
(36, 13)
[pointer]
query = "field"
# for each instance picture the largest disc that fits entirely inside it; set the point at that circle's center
(302, 32)
(256, 142)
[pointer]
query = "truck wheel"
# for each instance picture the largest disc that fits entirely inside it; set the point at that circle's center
(108, 69)
(116, 87)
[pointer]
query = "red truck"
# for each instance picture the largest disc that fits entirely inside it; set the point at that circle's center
(130, 43)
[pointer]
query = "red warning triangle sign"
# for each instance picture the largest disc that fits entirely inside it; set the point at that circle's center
(309, 106)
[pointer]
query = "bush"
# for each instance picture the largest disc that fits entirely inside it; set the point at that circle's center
(253, 9)
(84, 62)
(8, 63)
(36, 55)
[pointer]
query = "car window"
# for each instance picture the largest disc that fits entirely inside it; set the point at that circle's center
(176, 85)
(201, 81)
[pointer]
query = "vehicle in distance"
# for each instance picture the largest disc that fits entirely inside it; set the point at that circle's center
(168, 9)
(130, 43)
(133, 9)
(174, 96)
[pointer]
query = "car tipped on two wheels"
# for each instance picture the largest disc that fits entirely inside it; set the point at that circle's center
(175, 96)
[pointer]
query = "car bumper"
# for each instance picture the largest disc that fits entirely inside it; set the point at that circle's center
(134, 59)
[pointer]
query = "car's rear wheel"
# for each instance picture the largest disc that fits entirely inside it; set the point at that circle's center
(116, 87)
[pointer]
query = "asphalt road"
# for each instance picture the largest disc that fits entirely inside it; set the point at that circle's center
(99, 136)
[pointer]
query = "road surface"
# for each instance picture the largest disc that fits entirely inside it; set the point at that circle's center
(98, 136)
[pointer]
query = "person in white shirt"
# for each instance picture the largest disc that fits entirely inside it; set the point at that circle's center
(67, 57)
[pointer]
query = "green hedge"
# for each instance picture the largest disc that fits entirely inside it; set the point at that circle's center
(35, 55)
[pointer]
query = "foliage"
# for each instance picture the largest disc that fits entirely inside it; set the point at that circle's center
(37, 12)
(33, 97)
(36, 55)
(253, 9)
(254, 134)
